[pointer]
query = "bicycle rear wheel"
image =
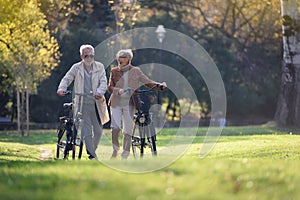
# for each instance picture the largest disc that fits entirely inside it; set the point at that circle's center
(80, 149)
(74, 146)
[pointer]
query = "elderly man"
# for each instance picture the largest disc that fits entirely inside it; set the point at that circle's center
(90, 84)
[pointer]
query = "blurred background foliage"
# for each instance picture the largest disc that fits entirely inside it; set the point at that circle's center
(242, 36)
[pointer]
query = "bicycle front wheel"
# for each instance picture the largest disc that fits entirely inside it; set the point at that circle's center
(152, 139)
(142, 131)
(59, 145)
(152, 144)
(68, 146)
(74, 140)
(135, 143)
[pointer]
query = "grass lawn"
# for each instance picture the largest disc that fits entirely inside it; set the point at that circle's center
(248, 162)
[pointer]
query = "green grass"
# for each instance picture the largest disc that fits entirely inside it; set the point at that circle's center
(249, 162)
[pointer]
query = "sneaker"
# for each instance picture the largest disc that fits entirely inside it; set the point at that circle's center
(92, 157)
(125, 155)
(114, 155)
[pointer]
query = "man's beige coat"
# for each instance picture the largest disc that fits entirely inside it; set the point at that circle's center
(99, 85)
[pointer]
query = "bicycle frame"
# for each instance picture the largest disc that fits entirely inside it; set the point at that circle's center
(69, 125)
(143, 119)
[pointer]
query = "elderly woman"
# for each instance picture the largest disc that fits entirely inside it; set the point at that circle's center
(122, 77)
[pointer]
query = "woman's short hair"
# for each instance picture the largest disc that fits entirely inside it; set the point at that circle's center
(86, 46)
(125, 53)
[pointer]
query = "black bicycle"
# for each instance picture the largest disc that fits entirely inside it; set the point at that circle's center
(67, 135)
(146, 136)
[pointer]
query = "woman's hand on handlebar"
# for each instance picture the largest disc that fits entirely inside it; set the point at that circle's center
(121, 91)
(162, 85)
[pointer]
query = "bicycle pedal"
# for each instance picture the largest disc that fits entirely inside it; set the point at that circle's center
(136, 140)
(136, 144)
(61, 144)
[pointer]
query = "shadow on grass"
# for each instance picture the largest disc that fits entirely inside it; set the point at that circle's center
(252, 130)
(4, 155)
(34, 138)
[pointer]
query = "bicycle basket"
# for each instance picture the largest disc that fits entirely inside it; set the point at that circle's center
(143, 101)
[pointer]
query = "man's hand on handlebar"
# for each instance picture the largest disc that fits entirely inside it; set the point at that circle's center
(61, 92)
(98, 96)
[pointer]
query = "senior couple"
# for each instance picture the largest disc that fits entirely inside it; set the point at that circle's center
(90, 79)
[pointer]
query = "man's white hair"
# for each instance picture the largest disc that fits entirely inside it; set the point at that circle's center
(86, 46)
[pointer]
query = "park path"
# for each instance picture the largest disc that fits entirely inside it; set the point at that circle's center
(46, 154)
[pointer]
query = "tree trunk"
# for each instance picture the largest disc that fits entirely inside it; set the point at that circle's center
(23, 117)
(27, 112)
(288, 106)
(19, 110)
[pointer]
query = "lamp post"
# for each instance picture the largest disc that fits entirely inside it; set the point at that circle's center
(161, 33)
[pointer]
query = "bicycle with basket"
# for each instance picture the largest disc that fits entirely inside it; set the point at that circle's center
(143, 121)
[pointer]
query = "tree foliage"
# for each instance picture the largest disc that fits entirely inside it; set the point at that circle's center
(28, 52)
(73, 22)
(243, 38)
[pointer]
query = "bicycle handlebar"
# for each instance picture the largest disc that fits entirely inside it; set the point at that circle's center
(130, 90)
(145, 90)
(67, 92)
(79, 94)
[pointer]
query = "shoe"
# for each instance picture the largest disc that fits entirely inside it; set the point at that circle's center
(124, 155)
(114, 155)
(92, 157)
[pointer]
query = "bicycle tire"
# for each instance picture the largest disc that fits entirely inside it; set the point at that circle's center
(152, 143)
(80, 149)
(135, 143)
(143, 140)
(57, 151)
(65, 152)
(138, 142)
(147, 137)
(73, 151)
(152, 139)
(60, 133)
(68, 145)
(73, 142)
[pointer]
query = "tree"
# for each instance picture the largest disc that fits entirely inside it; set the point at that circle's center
(288, 107)
(73, 23)
(28, 51)
(243, 38)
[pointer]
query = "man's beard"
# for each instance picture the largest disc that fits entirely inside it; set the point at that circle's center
(89, 63)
